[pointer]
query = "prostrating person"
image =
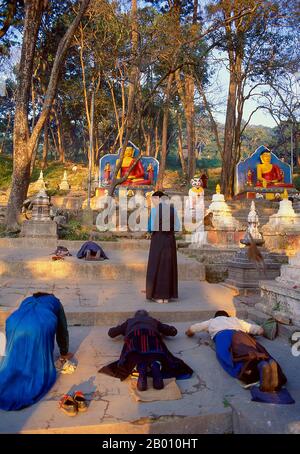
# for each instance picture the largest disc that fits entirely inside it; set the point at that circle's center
(27, 371)
(145, 351)
(242, 357)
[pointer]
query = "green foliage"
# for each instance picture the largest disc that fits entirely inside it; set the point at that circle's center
(297, 182)
(6, 167)
(75, 231)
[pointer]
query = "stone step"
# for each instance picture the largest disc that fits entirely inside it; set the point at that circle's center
(110, 301)
(72, 245)
(212, 402)
(124, 265)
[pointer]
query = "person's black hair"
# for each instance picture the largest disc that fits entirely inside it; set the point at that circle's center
(39, 294)
(221, 314)
(141, 313)
(159, 194)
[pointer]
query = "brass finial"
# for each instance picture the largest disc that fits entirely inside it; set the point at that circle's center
(218, 189)
(285, 194)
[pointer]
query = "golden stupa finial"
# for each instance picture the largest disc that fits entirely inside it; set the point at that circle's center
(285, 194)
(218, 189)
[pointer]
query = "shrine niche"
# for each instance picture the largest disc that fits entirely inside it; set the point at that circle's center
(262, 174)
(143, 175)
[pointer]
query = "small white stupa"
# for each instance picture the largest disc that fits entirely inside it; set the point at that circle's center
(222, 216)
(40, 183)
(286, 219)
(64, 185)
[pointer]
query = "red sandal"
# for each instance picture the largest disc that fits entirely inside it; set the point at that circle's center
(68, 405)
(80, 401)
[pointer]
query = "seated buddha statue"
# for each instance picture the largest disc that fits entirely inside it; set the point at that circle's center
(137, 174)
(269, 174)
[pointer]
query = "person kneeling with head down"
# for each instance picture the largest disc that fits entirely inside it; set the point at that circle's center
(145, 350)
(27, 371)
(242, 357)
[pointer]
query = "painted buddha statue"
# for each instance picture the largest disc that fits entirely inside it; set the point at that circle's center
(268, 174)
(137, 174)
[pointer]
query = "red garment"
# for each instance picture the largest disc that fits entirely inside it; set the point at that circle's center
(137, 172)
(274, 174)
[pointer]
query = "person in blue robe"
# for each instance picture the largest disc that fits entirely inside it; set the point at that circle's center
(27, 371)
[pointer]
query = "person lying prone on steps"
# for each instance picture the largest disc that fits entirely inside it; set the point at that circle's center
(239, 353)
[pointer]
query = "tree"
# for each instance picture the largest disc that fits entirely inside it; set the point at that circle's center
(253, 46)
(24, 139)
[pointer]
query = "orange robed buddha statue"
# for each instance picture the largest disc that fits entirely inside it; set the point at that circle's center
(137, 174)
(269, 174)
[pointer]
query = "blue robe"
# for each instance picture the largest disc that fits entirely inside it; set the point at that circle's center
(223, 342)
(90, 246)
(27, 372)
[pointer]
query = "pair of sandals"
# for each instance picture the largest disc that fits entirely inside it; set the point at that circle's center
(161, 301)
(71, 405)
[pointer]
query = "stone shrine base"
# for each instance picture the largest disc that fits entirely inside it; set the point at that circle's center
(39, 229)
(244, 275)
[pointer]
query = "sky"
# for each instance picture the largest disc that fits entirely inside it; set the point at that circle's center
(219, 90)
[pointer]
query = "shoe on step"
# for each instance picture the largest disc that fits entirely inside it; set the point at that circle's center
(68, 405)
(265, 382)
(81, 401)
(274, 375)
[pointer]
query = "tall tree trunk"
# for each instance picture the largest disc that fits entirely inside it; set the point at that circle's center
(190, 118)
(24, 142)
(180, 151)
(164, 145)
(60, 139)
(228, 165)
(45, 144)
(134, 73)
(22, 153)
(132, 88)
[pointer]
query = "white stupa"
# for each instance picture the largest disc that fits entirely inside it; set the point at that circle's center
(222, 216)
(285, 220)
(40, 183)
(64, 185)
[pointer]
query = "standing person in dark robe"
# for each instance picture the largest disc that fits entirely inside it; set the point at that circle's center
(145, 350)
(242, 357)
(27, 371)
(162, 277)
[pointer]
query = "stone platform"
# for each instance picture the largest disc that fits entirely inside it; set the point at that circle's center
(124, 265)
(212, 402)
(108, 302)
